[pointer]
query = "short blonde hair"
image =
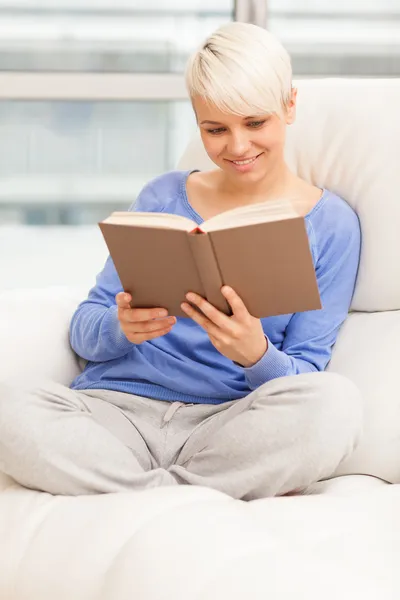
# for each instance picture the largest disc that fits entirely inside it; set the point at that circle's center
(242, 69)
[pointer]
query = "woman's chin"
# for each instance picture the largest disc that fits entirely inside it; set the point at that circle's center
(251, 175)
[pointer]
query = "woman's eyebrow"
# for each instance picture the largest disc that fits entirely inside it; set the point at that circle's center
(218, 123)
(210, 123)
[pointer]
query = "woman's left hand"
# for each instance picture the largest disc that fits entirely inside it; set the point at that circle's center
(239, 337)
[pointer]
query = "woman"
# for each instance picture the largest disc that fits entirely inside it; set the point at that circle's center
(235, 403)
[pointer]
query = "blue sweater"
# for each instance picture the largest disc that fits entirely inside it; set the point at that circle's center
(184, 365)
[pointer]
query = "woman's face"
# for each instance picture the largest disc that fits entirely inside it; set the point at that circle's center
(243, 147)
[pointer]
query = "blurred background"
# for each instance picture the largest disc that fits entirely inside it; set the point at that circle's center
(93, 105)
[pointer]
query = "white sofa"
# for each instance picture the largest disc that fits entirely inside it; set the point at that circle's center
(342, 539)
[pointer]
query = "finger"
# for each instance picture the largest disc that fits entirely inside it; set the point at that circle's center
(145, 337)
(138, 315)
(200, 319)
(236, 303)
(213, 314)
(123, 299)
(219, 343)
(150, 326)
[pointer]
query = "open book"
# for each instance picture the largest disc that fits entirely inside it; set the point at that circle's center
(260, 250)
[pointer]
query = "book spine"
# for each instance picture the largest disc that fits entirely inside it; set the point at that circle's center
(209, 273)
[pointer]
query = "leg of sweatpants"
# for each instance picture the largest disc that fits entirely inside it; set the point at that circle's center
(291, 432)
(62, 441)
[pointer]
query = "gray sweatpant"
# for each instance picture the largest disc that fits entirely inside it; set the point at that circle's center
(289, 433)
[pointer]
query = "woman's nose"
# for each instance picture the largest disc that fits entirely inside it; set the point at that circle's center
(238, 145)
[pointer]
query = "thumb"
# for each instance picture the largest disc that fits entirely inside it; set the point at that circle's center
(123, 300)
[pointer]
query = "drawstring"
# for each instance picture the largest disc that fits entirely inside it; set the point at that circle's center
(170, 412)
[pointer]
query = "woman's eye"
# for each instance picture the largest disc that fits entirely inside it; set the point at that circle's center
(255, 124)
(251, 124)
(216, 131)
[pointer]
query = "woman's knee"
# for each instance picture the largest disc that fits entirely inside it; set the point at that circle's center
(17, 430)
(22, 411)
(336, 407)
(317, 402)
(10, 407)
(339, 393)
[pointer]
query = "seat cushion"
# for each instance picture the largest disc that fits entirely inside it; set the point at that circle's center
(195, 543)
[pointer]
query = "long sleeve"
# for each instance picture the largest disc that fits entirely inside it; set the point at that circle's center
(310, 336)
(95, 333)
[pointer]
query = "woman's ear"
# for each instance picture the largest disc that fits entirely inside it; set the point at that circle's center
(291, 108)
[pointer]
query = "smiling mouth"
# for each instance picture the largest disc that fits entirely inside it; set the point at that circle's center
(246, 161)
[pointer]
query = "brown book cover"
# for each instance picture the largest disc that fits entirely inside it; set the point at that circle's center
(266, 260)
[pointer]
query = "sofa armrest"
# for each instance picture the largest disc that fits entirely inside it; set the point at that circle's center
(34, 340)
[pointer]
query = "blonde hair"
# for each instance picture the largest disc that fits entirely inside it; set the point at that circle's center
(242, 69)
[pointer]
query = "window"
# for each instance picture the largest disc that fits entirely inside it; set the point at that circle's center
(93, 105)
(72, 163)
(140, 36)
(339, 38)
(92, 101)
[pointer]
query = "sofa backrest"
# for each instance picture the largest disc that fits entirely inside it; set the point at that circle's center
(345, 138)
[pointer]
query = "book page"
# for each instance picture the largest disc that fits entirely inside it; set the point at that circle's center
(149, 219)
(261, 212)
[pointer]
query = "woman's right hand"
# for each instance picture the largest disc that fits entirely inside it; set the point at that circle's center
(142, 324)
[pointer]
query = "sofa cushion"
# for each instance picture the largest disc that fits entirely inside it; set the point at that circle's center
(193, 543)
(368, 352)
(34, 335)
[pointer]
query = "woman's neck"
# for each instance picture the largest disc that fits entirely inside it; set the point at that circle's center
(274, 184)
